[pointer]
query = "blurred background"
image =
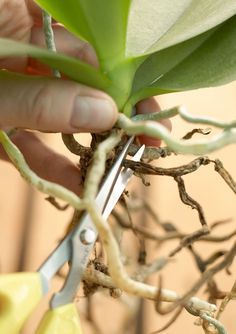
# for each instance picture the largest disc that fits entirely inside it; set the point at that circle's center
(31, 227)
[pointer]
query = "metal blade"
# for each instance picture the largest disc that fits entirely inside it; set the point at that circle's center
(120, 184)
(108, 185)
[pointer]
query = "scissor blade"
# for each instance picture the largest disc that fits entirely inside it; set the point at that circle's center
(108, 185)
(120, 184)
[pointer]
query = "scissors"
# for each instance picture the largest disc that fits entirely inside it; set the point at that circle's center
(21, 292)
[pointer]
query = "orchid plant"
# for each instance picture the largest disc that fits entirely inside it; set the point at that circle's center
(144, 48)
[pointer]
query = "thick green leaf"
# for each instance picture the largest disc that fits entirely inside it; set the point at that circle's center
(161, 62)
(208, 60)
(101, 22)
(73, 68)
(212, 64)
(157, 24)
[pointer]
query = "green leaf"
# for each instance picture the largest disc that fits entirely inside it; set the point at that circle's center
(103, 23)
(157, 24)
(206, 60)
(73, 68)
(212, 64)
(159, 63)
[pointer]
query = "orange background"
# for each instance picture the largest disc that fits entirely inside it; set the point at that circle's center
(25, 218)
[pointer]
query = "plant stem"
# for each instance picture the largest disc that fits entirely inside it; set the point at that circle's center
(49, 37)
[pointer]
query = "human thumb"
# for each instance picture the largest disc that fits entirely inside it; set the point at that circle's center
(53, 105)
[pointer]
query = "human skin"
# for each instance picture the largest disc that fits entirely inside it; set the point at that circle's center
(41, 102)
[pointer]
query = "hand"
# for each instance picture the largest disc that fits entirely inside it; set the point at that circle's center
(48, 104)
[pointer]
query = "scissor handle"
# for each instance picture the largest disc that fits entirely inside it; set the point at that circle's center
(19, 294)
(63, 319)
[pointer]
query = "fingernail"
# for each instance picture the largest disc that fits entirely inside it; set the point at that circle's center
(93, 113)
